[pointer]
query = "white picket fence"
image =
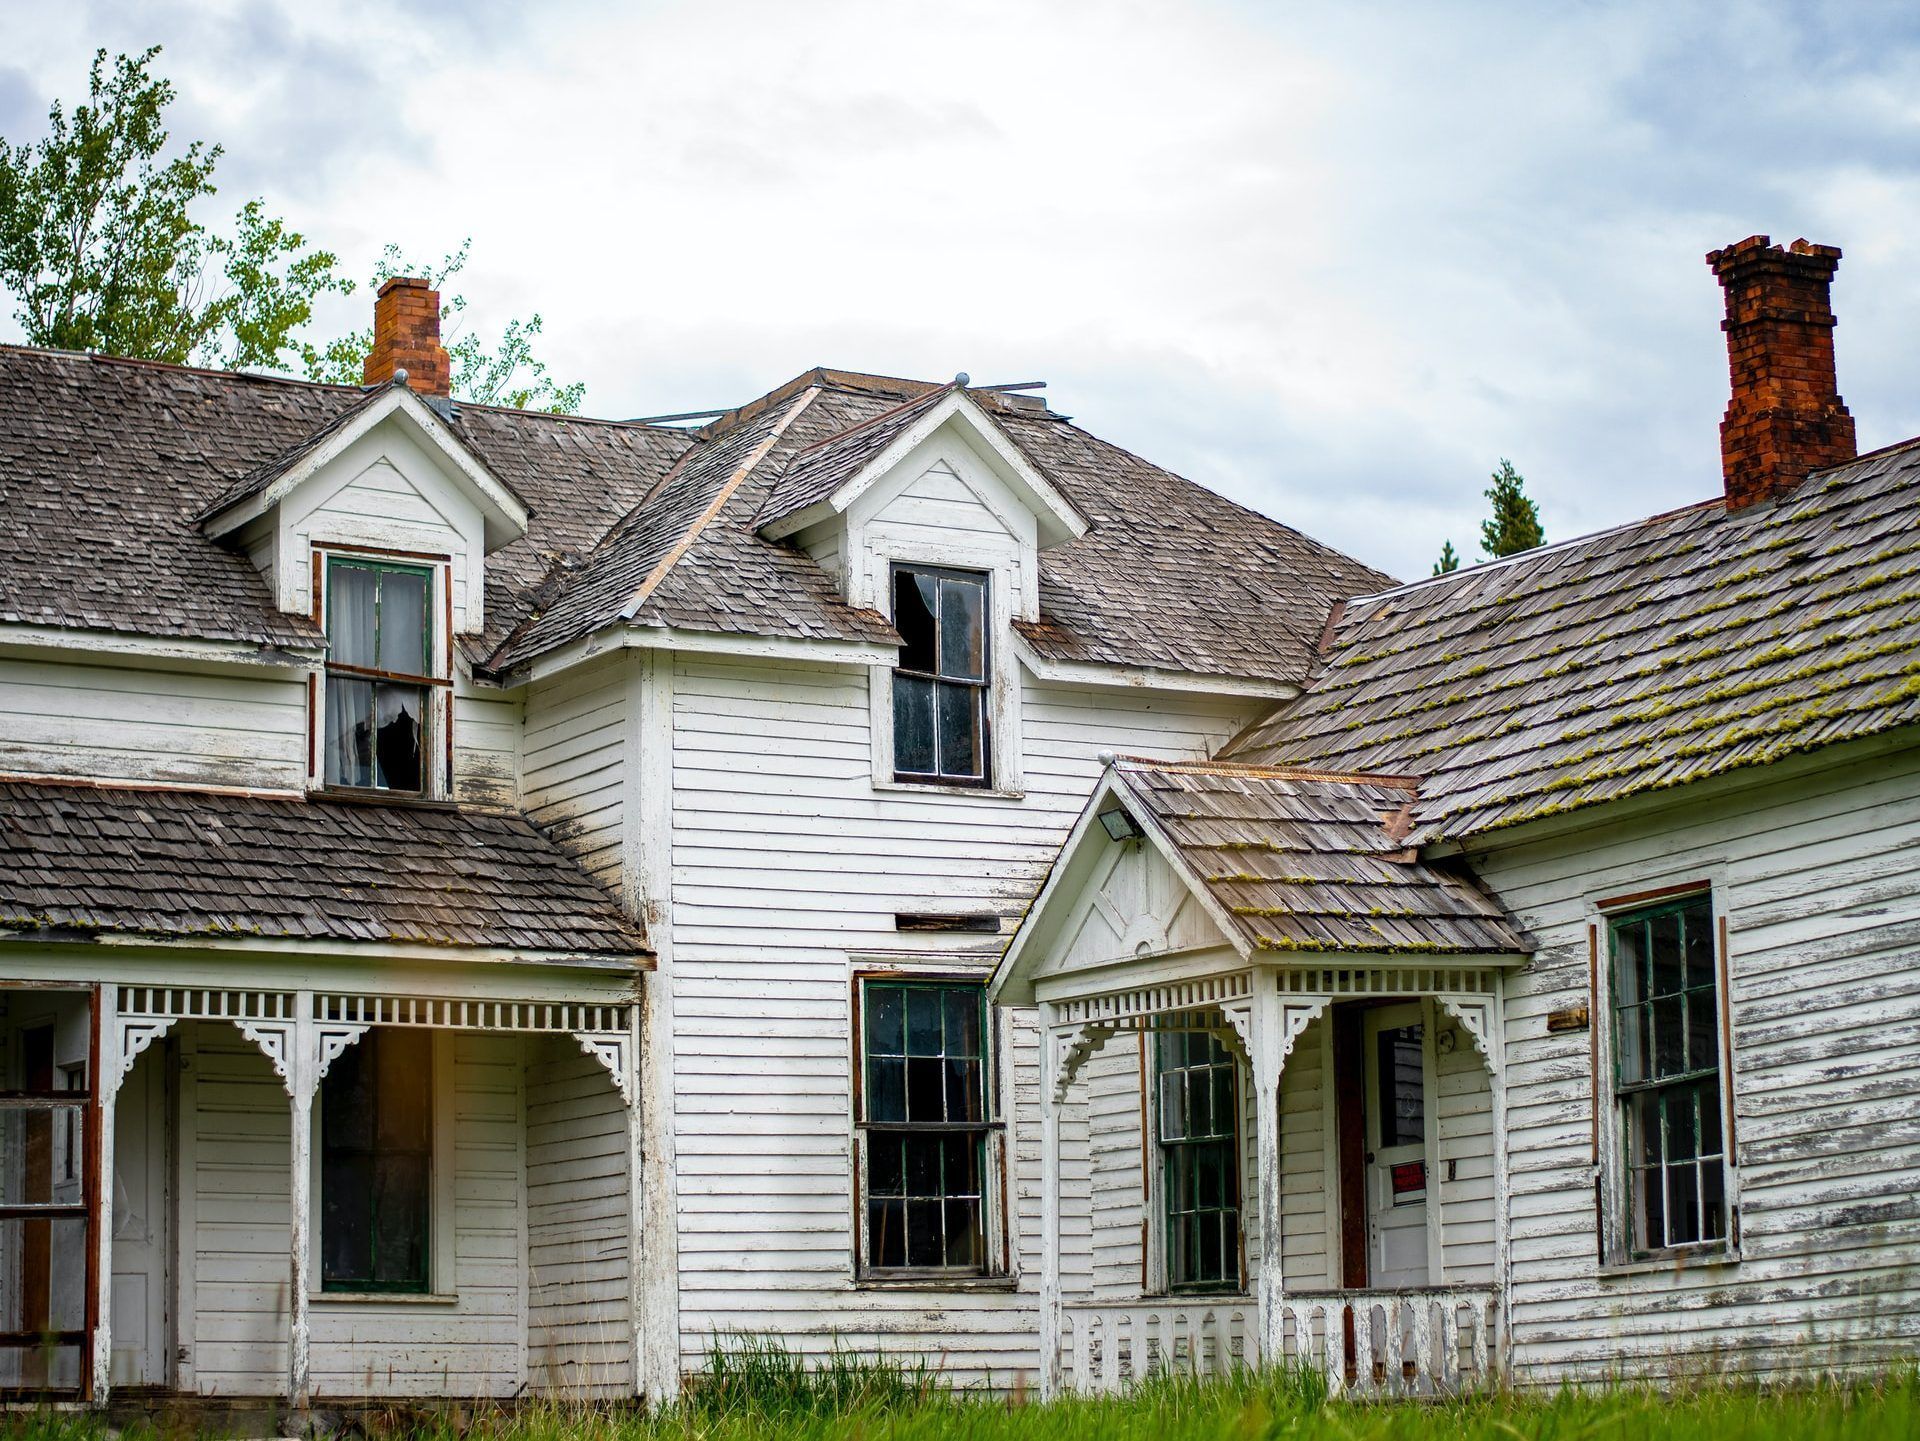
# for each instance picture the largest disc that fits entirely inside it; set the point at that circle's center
(1108, 1347)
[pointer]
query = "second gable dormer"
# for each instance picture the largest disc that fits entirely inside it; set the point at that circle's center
(936, 480)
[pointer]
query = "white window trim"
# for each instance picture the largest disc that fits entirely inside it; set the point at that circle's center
(1616, 1254)
(438, 719)
(442, 1216)
(1004, 750)
(1002, 1271)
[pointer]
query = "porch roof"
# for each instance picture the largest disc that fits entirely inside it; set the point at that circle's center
(1300, 860)
(175, 865)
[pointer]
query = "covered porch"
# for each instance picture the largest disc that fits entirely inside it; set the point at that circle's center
(360, 1191)
(1261, 1146)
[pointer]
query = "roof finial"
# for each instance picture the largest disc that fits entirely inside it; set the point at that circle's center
(962, 378)
(399, 375)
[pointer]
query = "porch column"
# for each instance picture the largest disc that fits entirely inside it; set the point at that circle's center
(1050, 1080)
(303, 1079)
(1265, 1055)
(104, 1080)
(637, 1211)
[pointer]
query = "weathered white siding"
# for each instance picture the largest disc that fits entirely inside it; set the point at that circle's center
(1821, 881)
(468, 1341)
(788, 864)
(579, 1311)
(486, 740)
(127, 723)
(1116, 1121)
(1463, 1112)
(574, 760)
(1310, 1251)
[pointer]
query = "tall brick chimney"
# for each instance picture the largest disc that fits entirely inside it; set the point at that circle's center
(406, 336)
(1786, 418)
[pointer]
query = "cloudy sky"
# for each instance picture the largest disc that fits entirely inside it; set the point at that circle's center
(1334, 261)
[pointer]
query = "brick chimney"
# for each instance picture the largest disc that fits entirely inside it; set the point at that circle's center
(1786, 418)
(406, 336)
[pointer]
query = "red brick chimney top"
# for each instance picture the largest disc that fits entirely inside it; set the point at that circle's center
(1786, 418)
(406, 336)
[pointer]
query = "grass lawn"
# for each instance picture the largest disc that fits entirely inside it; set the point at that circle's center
(762, 1394)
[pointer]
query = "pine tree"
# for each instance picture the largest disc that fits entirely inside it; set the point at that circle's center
(1449, 560)
(1515, 523)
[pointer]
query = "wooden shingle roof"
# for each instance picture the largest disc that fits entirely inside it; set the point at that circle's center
(1313, 861)
(1683, 646)
(177, 865)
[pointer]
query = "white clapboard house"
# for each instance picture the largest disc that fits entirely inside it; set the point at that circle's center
(491, 902)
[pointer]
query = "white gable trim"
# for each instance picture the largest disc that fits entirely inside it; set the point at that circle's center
(1072, 871)
(131, 648)
(504, 515)
(1055, 516)
(626, 636)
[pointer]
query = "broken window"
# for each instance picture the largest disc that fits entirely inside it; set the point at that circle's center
(940, 684)
(1666, 1043)
(379, 673)
(376, 1163)
(924, 1090)
(1197, 1102)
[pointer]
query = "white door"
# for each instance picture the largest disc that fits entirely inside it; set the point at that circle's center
(1397, 1118)
(139, 1224)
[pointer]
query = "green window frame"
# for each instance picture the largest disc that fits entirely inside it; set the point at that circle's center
(1197, 1126)
(1668, 1064)
(376, 1164)
(380, 682)
(925, 1118)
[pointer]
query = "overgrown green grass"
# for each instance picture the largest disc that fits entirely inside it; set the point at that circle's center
(756, 1390)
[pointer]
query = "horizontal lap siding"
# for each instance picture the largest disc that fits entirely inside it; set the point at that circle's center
(122, 723)
(573, 763)
(1111, 1082)
(579, 1313)
(785, 861)
(241, 1208)
(1823, 879)
(1303, 1163)
(1464, 1117)
(486, 734)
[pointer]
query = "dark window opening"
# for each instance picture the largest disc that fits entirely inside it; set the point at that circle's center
(1666, 1034)
(1403, 1111)
(924, 1088)
(1197, 1101)
(940, 684)
(376, 1163)
(379, 669)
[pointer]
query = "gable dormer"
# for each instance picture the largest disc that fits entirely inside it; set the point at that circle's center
(936, 480)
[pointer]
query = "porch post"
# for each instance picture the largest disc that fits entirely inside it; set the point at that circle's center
(637, 1206)
(1502, 1202)
(1049, 1206)
(1267, 1059)
(303, 1065)
(105, 1083)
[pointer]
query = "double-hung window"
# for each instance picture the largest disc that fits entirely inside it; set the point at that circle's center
(380, 681)
(376, 1163)
(1667, 1065)
(925, 1123)
(940, 687)
(1197, 1117)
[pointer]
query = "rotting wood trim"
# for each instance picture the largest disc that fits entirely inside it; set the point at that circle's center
(1593, 1048)
(1732, 1144)
(984, 922)
(368, 672)
(1659, 893)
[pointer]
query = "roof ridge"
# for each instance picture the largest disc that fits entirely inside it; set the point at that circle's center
(872, 420)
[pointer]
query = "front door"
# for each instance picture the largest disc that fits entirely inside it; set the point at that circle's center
(1396, 1155)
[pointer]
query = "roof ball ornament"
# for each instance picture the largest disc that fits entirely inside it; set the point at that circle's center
(962, 378)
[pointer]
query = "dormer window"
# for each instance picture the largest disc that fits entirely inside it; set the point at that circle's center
(380, 674)
(940, 686)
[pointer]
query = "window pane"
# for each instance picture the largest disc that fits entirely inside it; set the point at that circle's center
(886, 1020)
(1703, 1022)
(924, 1021)
(1629, 962)
(913, 726)
(963, 1023)
(887, 1233)
(404, 633)
(921, 1158)
(963, 1233)
(346, 1217)
(886, 1174)
(963, 638)
(405, 1062)
(400, 1220)
(913, 611)
(960, 730)
(397, 712)
(1669, 1038)
(925, 1232)
(925, 1089)
(1664, 941)
(886, 1088)
(349, 747)
(963, 1091)
(1402, 1094)
(1699, 944)
(351, 592)
(346, 1100)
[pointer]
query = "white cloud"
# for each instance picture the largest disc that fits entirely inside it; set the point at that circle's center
(1335, 261)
